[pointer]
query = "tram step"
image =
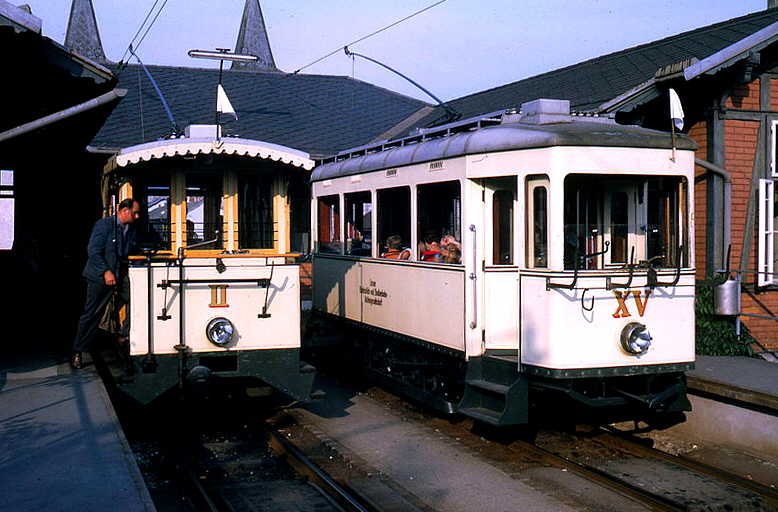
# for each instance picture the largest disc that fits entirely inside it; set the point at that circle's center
(494, 387)
(483, 414)
(494, 392)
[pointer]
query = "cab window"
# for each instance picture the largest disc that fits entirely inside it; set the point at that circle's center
(255, 196)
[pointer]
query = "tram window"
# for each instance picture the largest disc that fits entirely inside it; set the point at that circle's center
(394, 215)
(329, 224)
(359, 215)
(623, 220)
(619, 226)
(537, 222)
(255, 199)
(502, 225)
(204, 209)
(439, 217)
(665, 226)
(154, 228)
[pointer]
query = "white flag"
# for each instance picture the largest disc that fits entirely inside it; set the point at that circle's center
(676, 110)
(223, 105)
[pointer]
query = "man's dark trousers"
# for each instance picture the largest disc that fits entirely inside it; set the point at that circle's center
(97, 297)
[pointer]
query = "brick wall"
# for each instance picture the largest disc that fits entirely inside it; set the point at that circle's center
(741, 144)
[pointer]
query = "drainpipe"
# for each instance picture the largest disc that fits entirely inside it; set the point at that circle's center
(715, 169)
(115, 94)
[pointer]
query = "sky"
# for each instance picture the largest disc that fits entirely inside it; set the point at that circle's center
(456, 48)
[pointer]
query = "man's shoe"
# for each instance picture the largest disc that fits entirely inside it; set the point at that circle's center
(77, 361)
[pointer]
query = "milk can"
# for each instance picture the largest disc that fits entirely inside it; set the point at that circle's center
(726, 297)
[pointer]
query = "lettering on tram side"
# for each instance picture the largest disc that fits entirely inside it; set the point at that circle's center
(218, 295)
(372, 294)
(622, 311)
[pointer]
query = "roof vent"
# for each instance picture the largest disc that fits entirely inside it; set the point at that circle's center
(202, 131)
(543, 111)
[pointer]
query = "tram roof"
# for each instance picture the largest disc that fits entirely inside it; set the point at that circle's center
(504, 131)
(189, 146)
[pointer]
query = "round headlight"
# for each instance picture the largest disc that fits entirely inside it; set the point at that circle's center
(220, 331)
(635, 338)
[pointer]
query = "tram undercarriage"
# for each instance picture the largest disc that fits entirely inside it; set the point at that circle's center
(492, 389)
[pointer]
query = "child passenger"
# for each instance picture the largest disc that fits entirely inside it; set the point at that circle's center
(395, 249)
(430, 248)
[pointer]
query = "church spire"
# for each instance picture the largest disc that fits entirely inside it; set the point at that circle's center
(82, 36)
(252, 39)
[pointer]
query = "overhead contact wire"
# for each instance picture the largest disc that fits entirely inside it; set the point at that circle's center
(368, 36)
(132, 47)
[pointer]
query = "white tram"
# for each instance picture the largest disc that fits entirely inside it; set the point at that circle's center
(574, 285)
(217, 293)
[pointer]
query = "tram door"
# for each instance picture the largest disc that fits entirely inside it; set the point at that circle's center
(501, 285)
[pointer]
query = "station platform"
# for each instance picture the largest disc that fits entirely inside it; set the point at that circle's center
(748, 381)
(61, 445)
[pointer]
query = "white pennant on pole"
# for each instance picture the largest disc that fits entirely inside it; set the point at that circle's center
(676, 110)
(223, 105)
(676, 116)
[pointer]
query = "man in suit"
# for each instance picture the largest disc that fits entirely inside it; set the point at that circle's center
(112, 240)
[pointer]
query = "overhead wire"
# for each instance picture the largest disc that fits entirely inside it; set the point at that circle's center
(368, 36)
(132, 46)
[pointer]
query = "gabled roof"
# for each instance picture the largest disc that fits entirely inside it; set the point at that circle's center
(320, 115)
(43, 81)
(591, 84)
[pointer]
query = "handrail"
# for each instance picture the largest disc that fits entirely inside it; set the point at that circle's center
(576, 266)
(609, 285)
(652, 279)
(473, 277)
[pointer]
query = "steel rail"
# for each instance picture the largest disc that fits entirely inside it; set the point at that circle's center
(621, 441)
(307, 468)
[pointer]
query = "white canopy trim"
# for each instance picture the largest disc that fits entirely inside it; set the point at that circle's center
(226, 146)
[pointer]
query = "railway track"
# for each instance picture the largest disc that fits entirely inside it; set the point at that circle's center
(213, 457)
(230, 478)
(657, 479)
(623, 464)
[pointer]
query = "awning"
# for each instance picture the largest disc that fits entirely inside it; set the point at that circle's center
(224, 146)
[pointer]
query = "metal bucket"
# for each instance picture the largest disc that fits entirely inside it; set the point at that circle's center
(726, 297)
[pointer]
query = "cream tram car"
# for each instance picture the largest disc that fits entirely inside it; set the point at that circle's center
(219, 294)
(544, 258)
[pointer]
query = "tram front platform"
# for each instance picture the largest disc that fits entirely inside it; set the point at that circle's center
(61, 445)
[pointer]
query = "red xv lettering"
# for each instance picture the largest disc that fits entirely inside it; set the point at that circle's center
(622, 311)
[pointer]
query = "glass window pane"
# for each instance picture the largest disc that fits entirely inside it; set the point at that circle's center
(329, 225)
(394, 218)
(359, 215)
(204, 209)
(153, 192)
(440, 222)
(255, 200)
(502, 219)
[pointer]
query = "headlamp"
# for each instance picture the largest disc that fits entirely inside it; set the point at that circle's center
(219, 331)
(635, 338)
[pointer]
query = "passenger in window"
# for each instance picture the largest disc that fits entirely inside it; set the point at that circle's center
(450, 254)
(359, 247)
(429, 249)
(450, 239)
(395, 249)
